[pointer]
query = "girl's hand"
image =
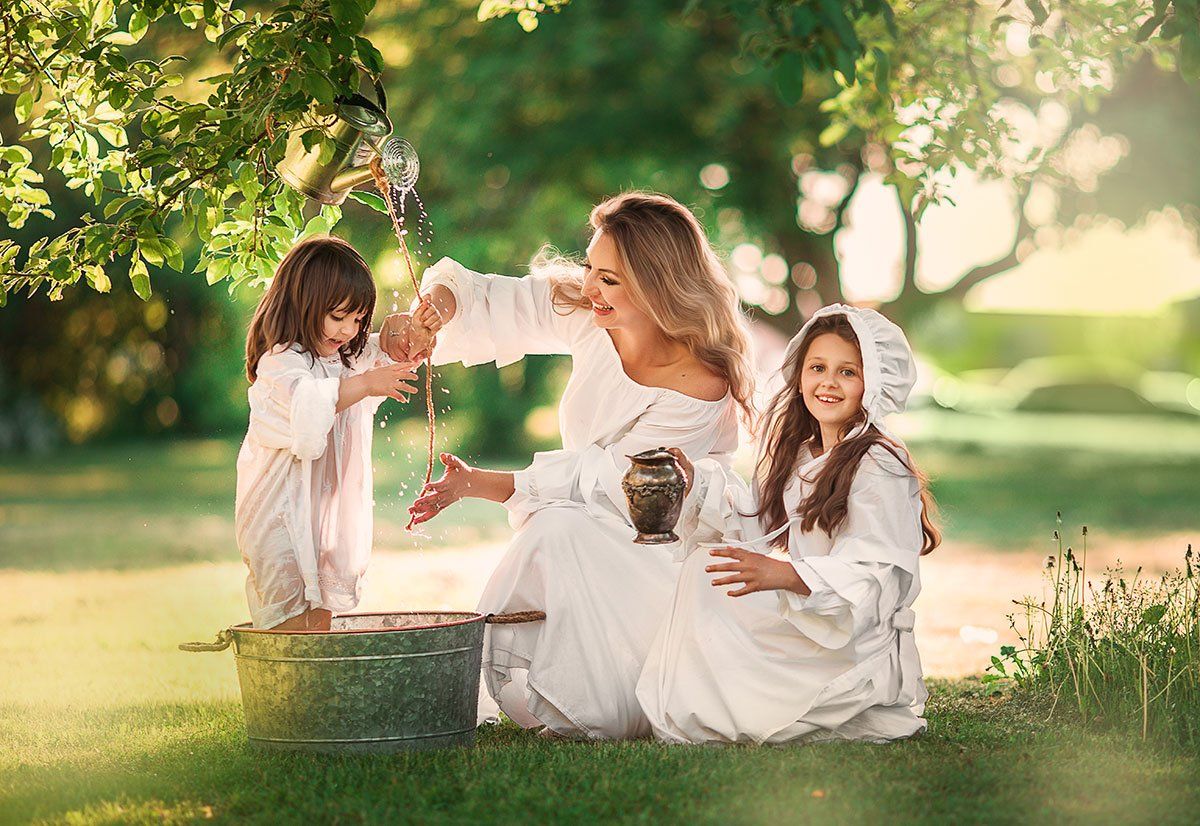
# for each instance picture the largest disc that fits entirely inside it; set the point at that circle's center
(390, 380)
(437, 496)
(426, 322)
(685, 466)
(755, 572)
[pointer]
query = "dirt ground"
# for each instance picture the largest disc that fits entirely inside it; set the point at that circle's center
(967, 592)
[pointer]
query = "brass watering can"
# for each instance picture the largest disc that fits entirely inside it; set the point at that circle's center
(356, 127)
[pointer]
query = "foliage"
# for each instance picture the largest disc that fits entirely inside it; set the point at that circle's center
(1126, 653)
(158, 158)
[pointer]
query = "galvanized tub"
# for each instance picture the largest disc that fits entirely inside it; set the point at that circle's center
(380, 682)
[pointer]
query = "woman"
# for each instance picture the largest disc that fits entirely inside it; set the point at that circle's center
(659, 357)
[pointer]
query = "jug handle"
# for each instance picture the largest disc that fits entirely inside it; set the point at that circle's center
(515, 617)
(223, 641)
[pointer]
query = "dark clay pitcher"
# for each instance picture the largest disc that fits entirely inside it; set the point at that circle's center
(654, 486)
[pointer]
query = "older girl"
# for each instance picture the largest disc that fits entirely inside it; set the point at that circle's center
(659, 356)
(818, 644)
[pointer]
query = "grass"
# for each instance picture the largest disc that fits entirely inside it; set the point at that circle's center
(124, 507)
(985, 759)
(110, 556)
(1122, 651)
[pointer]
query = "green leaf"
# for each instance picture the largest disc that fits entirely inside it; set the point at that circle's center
(173, 253)
(789, 78)
(348, 15)
(24, 106)
(138, 25)
(883, 70)
(370, 199)
(140, 279)
(319, 87)
(1189, 56)
(1148, 28)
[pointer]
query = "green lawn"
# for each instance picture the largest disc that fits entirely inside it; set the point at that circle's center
(983, 760)
(110, 556)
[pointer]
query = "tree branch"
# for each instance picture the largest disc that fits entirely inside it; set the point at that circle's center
(1005, 262)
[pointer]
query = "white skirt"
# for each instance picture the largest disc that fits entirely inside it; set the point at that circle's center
(604, 597)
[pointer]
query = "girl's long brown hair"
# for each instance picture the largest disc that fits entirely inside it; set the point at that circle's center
(316, 277)
(789, 428)
(675, 276)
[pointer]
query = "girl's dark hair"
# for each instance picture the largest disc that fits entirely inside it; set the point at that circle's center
(789, 428)
(317, 276)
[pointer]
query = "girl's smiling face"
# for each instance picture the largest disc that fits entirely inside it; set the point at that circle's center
(831, 381)
(339, 328)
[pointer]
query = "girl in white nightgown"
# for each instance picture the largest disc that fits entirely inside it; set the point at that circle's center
(658, 352)
(304, 497)
(819, 644)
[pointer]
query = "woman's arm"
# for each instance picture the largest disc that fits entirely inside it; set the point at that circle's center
(460, 481)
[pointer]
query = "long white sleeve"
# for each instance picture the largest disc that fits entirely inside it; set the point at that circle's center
(593, 474)
(290, 408)
(866, 576)
(498, 318)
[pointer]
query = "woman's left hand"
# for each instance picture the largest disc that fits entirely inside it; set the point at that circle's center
(755, 572)
(441, 494)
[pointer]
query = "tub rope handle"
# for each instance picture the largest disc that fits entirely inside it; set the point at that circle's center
(515, 617)
(223, 641)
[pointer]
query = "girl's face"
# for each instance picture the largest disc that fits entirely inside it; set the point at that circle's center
(339, 327)
(604, 285)
(831, 380)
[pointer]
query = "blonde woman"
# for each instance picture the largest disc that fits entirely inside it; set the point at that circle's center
(659, 357)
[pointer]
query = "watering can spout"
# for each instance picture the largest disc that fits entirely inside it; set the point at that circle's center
(347, 179)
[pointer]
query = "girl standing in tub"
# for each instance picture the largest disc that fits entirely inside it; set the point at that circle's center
(818, 645)
(317, 376)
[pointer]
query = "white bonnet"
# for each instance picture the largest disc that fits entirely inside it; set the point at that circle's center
(889, 369)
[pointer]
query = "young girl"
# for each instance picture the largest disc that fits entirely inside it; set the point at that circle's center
(819, 645)
(304, 498)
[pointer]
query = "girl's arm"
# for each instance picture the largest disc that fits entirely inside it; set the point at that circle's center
(389, 380)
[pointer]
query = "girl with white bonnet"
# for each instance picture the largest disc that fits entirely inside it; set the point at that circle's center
(817, 644)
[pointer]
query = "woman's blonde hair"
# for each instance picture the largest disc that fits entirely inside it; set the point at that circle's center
(316, 277)
(675, 277)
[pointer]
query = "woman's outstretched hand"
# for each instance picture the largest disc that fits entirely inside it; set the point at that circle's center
(755, 572)
(441, 494)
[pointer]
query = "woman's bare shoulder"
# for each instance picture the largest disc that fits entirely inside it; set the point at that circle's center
(694, 378)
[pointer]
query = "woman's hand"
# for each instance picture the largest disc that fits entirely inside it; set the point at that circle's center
(755, 572)
(441, 494)
(685, 467)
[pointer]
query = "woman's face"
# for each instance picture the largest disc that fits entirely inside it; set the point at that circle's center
(339, 327)
(831, 380)
(604, 283)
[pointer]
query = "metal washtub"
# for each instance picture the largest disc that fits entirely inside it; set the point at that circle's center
(380, 682)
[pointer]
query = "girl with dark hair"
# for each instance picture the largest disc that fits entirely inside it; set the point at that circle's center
(304, 498)
(817, 644)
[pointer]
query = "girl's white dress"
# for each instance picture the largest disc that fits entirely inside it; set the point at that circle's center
(573, 554)
(774, 666)
(304, 490)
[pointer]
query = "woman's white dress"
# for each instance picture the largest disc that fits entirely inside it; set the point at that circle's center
(304, 491)
(774, 666)
(573, 554)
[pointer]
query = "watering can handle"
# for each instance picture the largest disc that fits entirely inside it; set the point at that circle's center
(223, 641)
(515, 617)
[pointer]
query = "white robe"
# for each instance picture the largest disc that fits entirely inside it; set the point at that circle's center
(775, 666)
(573, 554)
(304, 493)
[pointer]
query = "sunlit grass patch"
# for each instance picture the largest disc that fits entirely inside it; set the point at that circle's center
(1123, 652)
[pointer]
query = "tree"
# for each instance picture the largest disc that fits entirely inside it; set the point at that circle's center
(121, 130)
